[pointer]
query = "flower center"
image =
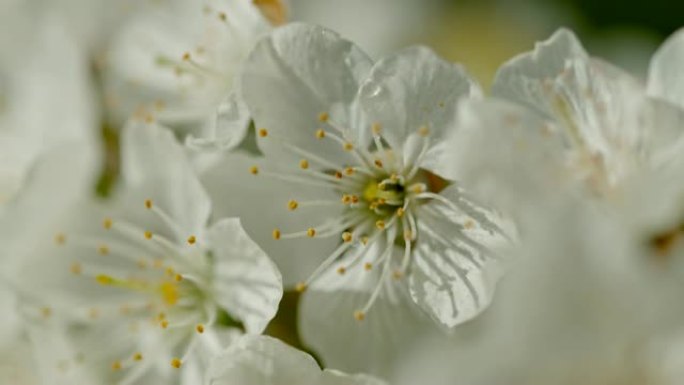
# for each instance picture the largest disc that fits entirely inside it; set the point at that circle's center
(381, 192)
(155, 284)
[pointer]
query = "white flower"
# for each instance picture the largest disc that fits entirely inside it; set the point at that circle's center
(45, 100)
(178, 62)
(146, 276)
(576, 123)
(260, 360)
(357, 150)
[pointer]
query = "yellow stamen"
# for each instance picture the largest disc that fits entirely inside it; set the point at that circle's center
(192, 239)
(380, 224)
(116, 365)
(347, 236)
(323, 116)
(148, 203)
(254, 170)
(348, 146)
(423, 131)
(304, 164)
(200, 328)
(137, 357)
(107, 223)
(368, 266)
(176, 363)
(311, 232)
(276, 234)
(103, 249)
(148, 235)
(320, 134)
(341, 270)
(263, 132)
(359, 315)
(60, 239)
(292, 205)
(300, 287)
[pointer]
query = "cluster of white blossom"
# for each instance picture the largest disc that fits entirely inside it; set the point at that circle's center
(429, 232)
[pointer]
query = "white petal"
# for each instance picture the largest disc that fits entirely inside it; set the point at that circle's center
(155, 165)
(261, 360)
(297, 73)
(261, 204)
(520, 78)
(457, 258)
(412, 89)
(228, 128)
(665, 74)
(246, 282)
(372, 345)
(506, 155)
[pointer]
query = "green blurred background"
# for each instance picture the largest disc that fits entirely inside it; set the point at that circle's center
(483, 33)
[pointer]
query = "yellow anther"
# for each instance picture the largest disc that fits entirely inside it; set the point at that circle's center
(400, 212)
(148, 235)
(347, 236)
(349, 171)
(423, 131)
(300, 287)
(254, 170)
(397, 274)
(378, 163)
(323, 116)
(276, 234)
(161, 316)
(46, 312)
(469, 224)
(355, 199)
(186, 56)
(116, 365)
(364, 240)
(148, 203)
(103, 250)
(199, 328)
(164, 324)
(303, 164)
(394, 177)
(311, 232)
(346, 199)
(348, 146)
(177, 277)
(76, 268)
(137, 357)
(419, 188)
(263, 132)
(359, 315)
(368, 266)
(107, 223)
(341, 270)
(104, 280)
(192, 239)
(176, 363)
(60, 239)
(376, 128)
(380, 224)
(338, 175)
(292, 205)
